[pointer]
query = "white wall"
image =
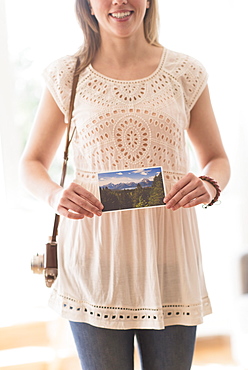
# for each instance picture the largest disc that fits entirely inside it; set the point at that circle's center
(9, 142)
(213, 31)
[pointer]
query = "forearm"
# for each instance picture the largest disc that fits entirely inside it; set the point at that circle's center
(36, 179)
(219, 170)
(191, 190)
(74, 202)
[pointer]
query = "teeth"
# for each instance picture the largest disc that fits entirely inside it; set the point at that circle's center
(121, 15)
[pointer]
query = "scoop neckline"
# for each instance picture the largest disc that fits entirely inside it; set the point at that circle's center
(161, 62)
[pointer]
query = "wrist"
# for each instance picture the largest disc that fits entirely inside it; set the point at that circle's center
(54, 197)
(211, 189)
(214, 189)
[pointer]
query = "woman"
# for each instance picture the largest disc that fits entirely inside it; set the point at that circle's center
(137, 272)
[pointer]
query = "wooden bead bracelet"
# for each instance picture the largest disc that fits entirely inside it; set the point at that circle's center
(215, 185)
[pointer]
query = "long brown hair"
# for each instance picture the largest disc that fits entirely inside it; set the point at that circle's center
(90, 28)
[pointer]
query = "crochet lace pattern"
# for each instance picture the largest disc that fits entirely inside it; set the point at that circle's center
(131, 124)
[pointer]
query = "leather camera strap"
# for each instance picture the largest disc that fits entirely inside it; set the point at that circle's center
(69, 137)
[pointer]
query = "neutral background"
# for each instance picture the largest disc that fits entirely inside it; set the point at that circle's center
(32, 34)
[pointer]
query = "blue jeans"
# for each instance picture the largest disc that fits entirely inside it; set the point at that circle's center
(107, 349)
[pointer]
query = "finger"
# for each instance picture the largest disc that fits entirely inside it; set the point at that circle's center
(194, 188)
(81, 202)
(185, 195)
(84, 204)
(69, 214)
(195, 198)
(176, 188)
(82, 192)
(83, 208)
(195, 202)
(189, 201)
(182, 197)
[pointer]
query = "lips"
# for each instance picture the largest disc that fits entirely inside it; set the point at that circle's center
(121, 14)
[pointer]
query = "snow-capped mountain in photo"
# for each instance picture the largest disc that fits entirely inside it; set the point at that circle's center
(145, 183)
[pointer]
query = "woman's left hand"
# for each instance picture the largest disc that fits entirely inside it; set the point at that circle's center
(189, 192)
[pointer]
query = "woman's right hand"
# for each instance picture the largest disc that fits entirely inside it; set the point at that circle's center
(75, 202)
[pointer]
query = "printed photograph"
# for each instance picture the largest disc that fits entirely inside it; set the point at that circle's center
(131, 189)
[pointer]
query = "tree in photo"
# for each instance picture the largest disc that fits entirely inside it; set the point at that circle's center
(125, 199)
(141, 203)
(157, 191)
(138, 192)
(109, 199)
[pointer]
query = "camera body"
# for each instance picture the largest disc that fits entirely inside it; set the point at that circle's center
(46, 263)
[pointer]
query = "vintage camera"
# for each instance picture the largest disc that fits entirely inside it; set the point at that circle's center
(46, 263)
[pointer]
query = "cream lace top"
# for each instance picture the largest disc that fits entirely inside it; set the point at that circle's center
(138, 268)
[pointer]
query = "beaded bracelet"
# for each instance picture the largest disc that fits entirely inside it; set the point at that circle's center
(215, 185)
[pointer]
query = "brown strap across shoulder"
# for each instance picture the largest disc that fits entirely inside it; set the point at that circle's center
(69, 137)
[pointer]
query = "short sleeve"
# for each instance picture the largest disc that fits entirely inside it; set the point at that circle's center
(194, 80)
(58, 77)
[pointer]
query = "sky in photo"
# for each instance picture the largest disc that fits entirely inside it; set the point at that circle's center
(127, 176)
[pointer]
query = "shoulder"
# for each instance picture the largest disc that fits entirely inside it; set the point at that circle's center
(189, 73)
(58, 77)
(179, 64)
(60, 68)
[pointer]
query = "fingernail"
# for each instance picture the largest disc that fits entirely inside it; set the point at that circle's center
(99, 213)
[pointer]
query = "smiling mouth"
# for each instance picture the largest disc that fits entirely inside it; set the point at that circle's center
(120, 15)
